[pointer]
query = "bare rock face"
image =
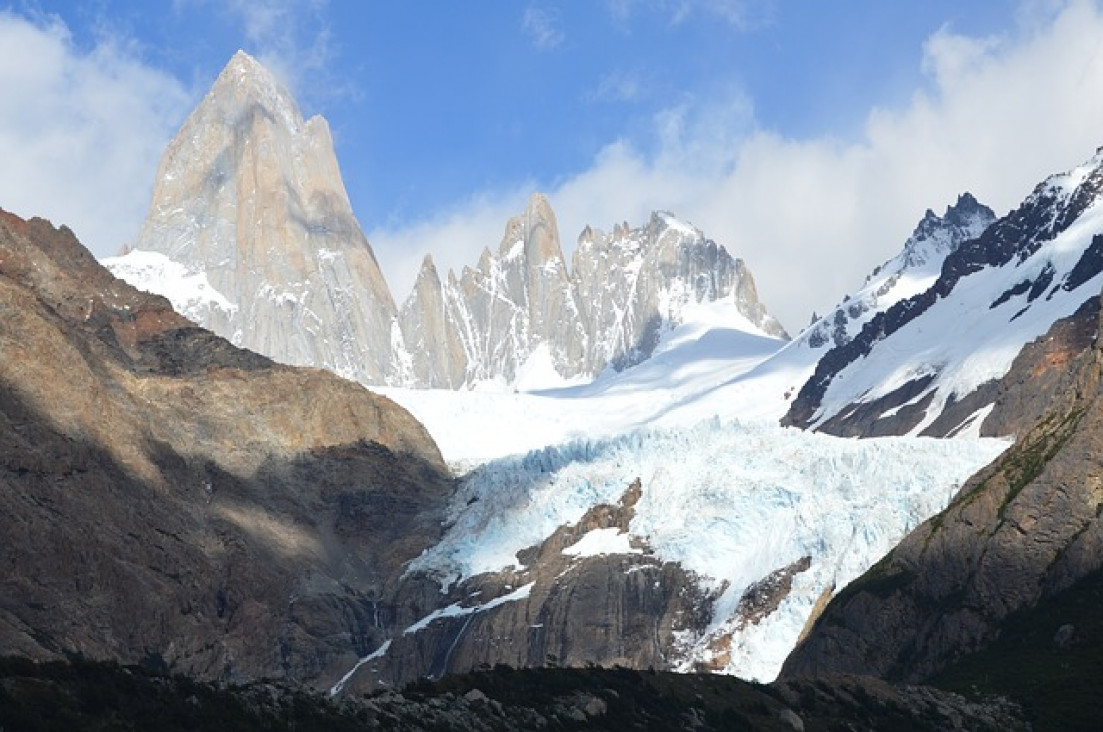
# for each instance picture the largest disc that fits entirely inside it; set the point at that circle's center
(1039, 374)
(249, 196)
(1025, 528)
(170, 498)
(563, 608)
(437, 358)
(635, 283)
(516, 301)
(521, 309)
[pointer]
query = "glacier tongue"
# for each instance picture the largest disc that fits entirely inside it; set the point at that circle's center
(730, 501)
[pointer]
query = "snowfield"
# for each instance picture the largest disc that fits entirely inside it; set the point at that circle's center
(715, 364)
(190, 293)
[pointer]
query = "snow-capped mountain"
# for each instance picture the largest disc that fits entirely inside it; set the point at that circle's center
(516, 307)
(910, 272)
(646, 335)
(521, 317)
(931, 362)
(250, 233)
(635, 285)
(996, 286)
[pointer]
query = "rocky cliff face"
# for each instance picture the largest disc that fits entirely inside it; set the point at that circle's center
(501, 313)
(249, 198)
(930, 363)
(169, 497)
(522, 312)
(563, 608)
(1023, 530)
(635, 284)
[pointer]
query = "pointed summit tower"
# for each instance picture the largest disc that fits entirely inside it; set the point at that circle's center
(249, 196)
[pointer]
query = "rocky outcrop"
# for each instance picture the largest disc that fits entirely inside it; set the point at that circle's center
(1039, 373)
(249, 196)
(170, 498)
(1024, 529)
(564, 607)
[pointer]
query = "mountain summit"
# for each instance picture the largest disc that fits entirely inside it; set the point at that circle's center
(931, 362)
(249, 196)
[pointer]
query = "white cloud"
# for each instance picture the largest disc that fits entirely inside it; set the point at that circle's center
(543, 26)
(81, 131)
(812, 216)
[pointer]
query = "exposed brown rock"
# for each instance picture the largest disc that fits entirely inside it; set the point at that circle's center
(1040, 371)
(1026, 527)
(165, 496)
(619, 609)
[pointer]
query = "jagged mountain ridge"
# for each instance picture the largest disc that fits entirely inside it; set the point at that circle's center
(931, 363)
(522, 310)
(764, 389)
(250, 233)
(913, 270)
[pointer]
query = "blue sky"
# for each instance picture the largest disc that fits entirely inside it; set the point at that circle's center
(806, 137)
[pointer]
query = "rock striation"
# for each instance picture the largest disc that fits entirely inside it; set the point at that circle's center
(169, 498)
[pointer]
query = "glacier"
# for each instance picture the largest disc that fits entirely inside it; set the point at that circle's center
(729, 500)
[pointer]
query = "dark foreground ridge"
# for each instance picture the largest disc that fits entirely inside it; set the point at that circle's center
(78, 694)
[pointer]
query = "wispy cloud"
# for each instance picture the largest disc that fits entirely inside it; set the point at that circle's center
(81, 131)
(739, 14)
(543, 26)
(813, 216)
(618, 86)
(292, 38)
